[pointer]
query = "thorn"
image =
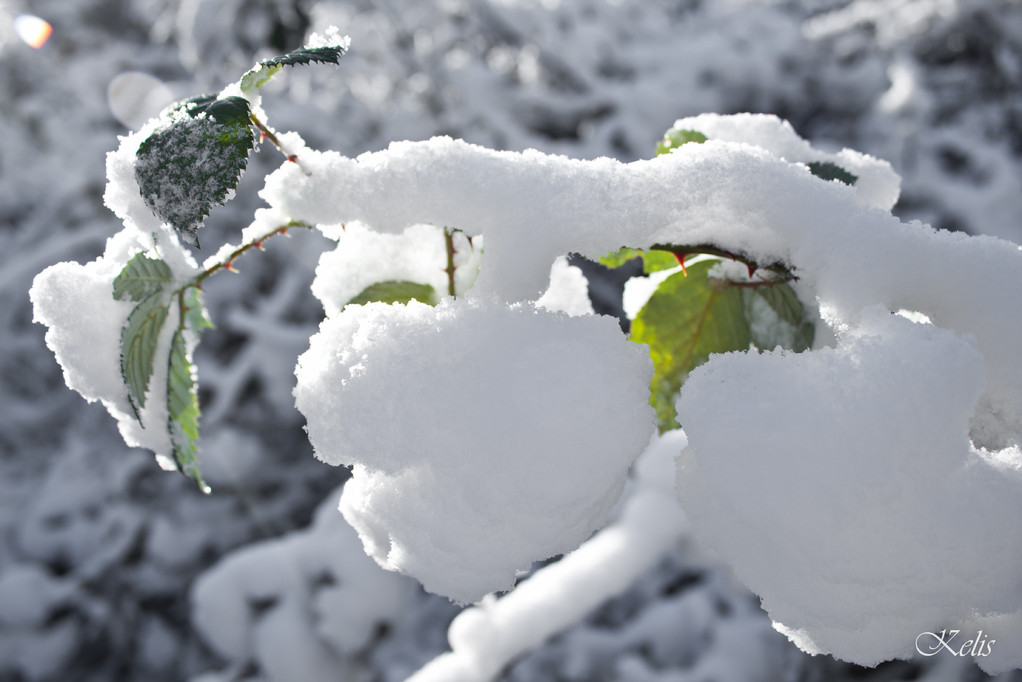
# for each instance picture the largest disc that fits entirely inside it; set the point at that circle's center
(293, 158)
(230, 266)
(262, 136)
(681, 261)
(470, 245)
(284, 232)
(752, 269)
(259, 245)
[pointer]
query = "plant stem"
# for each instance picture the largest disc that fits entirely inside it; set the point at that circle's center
(449, 242)
(254, 244)
(683, 251)
(272, 137)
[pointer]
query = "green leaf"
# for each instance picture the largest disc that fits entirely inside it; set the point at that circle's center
(652, 261)
(397, 291)
(777, 318)
(139, 337)
(195, 315)
(674, 138)
(195, 160)
(140, 277)
(686, 320)
(830, 171)
(183, 411)
(268, 68)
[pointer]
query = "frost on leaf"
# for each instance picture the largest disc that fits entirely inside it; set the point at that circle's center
(139, 337)
(141, 277)
(194, 161)
(401, 291)
(183, 411)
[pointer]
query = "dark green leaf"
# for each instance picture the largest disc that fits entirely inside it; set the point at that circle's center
(139, 337)
(230, 111)
(141, 277)
(306, 55)
(183, 411)
(674, 138)
(652, 261)
(686, 320)
(268, 68)
(400, 291)
(195, 161)
(830, 171)
(782, 322)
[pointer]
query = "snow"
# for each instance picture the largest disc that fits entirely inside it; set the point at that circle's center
(876, 182)
(568, 290)
(749, 194)
(861, 453)
(459, 496)
(303, 606)
(76, 303)
(486, 637)
(933, 87)
(364, 257)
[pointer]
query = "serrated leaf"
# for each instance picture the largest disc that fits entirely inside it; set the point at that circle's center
(396, 291)
(329, 54)
(268, 68)
(687, 319)
(831, 171)
(195, 161)
(139, 337)
(141, 277)
(782, 322)
(183, 411)
(652, 261)
(674, 138)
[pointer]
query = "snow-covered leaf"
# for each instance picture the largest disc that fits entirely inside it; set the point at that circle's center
(687, 319)
(183, 410)
(141, 277)
(401, 291)
(139, 337)
(674, 138)
(831, 171)
(195, 161)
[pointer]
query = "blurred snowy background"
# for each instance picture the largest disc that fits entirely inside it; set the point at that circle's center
(113, 570)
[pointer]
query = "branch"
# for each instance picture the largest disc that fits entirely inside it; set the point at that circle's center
(681, 252)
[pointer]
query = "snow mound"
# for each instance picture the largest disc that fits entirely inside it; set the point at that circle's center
(302, 607)
(513, 430)
(842, 487)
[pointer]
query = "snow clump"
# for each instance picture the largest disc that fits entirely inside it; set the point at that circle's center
(483, 436)
(850, 498)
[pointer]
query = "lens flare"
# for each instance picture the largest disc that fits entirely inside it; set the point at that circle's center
(32, 29)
